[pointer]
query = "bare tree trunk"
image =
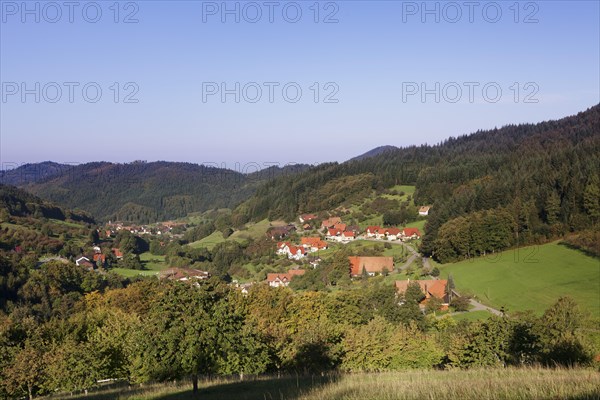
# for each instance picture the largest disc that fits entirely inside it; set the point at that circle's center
(195, 383)
(30, 390)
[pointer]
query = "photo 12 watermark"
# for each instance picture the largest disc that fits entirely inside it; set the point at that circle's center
(471, 92)
(53, 12)
(69, 92)
(269, 92)
(252, 12)
(453, 12)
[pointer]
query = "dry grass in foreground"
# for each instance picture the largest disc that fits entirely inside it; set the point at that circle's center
(493, 384)
(531, 383)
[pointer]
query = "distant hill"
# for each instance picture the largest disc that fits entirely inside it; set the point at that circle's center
(19, 203)
(31, 173)
(374, 152)
(539, 180)
(144, 192)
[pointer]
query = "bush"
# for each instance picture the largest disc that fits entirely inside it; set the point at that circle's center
(435, 272)
(460, 303)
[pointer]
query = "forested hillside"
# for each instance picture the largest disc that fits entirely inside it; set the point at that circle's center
(146, 192)
(489, 190)
(18, 203)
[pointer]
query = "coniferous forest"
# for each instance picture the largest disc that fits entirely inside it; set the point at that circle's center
(511, 186)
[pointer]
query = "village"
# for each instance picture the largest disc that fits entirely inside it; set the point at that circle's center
(302, 243)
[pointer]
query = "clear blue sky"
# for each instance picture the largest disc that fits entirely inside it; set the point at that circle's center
(375, 57)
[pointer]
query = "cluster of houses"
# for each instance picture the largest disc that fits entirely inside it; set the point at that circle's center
(164, 228)
(307, 245)
(380, 233)
(336, 230)
(97, 257)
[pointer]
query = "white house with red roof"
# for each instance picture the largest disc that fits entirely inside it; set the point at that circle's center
(375, 232)
(393, 233)
(410, 233)
(278, 280)
(291, 251)
(313, 244)
(348, 236)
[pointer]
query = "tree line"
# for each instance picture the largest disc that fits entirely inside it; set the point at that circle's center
(63, 328)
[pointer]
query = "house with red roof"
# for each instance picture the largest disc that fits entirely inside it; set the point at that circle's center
(333, 234)
(410, 233)
(291, 251)
(393, 233)
(371, 265)
(348, 236)
(307, 217)
(101, 257)
(279, 279)
(340, 226)
(330, 222)
(375, 232)
(429, 287)
(313, 244)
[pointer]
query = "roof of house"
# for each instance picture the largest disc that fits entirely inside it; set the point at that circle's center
(331, 222)
(340, 226)
(297, 249)
(308, 217)
(333, 232)
(431, 287)
(284, 277)
(313, 242)
(393, 231)
(424, 208)
(373, 229)
(370, 264)
(348, 234)
(411, 231)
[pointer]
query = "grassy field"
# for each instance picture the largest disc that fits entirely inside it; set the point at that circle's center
(254, 231)
(420, 224)
(530, 278)
(152, 266)
(510, 383)
(210, 241)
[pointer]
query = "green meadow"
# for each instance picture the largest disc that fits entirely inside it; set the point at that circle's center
(152, 266)
(530, 278)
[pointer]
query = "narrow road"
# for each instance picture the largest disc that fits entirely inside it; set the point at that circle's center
(477, 306)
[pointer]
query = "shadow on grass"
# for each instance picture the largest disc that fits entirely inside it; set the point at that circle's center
(261, 388)
(285, 388)
(587, 252)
